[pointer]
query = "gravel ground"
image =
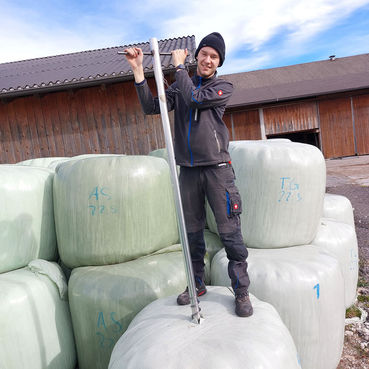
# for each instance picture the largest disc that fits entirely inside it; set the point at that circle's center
(342, 181)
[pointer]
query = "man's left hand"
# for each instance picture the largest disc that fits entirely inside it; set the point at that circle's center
(179, 56)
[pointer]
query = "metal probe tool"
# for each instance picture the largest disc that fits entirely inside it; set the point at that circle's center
(196, 316)
(145, 53)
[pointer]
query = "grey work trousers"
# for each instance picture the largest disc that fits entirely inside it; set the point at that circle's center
(216, 183)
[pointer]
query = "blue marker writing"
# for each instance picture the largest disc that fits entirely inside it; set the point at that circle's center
(317, 288)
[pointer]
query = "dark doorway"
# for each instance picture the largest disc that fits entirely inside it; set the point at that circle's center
(308, 137)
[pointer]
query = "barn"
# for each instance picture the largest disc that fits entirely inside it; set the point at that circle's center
(80, 103)
(85, 102)
(324, 103)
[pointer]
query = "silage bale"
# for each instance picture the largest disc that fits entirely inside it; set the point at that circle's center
(305, 285)
(104, 300)
(27, 229)
(36, 328)
(160, 153)
(339, 208)
(178, 247)
(162, 336)
(53, 164)
(86, 156)
(42, 162)
(340, 240)
(111, 209)
(163, 154)
(282, 186)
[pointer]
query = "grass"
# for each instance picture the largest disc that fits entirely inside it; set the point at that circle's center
(362, 282)
(363, 298)
(353, 312)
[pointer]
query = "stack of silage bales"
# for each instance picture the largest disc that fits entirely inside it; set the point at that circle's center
(161, 334)
(36, 330)
(117, 229)
(296, 262)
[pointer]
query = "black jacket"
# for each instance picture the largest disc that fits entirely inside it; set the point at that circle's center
(200, 135)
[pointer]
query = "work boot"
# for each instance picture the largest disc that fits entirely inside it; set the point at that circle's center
(184, 297)
(243, 305)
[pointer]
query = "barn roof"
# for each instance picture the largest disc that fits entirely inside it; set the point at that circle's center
(81, 68)
(300, 80)
(256, 87)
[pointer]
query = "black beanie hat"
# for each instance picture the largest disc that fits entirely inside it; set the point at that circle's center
(214, 40)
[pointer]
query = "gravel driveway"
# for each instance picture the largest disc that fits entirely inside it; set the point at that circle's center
(350, 177)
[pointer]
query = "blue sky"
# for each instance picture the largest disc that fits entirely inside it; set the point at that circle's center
(259, 34)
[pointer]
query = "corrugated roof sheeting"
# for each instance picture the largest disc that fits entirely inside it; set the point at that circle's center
(77, 68)
(301, 80)
(255, 87)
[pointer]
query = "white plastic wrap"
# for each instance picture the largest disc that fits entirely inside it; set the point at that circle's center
(111, 209)
(305, 285)
(162, 336)
(55, 164)
(87, 156)
(282, 186)
(163, 154)
(207, 260)
(42, 162)
(340, 240)
(27, 229)
(269, 140)
(160, 153)
(35, 324)
(339, 208)
(103, 300)
(53, 271)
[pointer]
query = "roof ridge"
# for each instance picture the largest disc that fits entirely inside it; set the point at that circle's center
(93, 50)
(298, 64)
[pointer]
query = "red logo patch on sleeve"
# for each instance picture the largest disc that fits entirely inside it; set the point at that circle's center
(220, 92)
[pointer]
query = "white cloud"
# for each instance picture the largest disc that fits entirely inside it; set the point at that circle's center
(256, 32)
(27, 33)
(244, 64)
(251, 24)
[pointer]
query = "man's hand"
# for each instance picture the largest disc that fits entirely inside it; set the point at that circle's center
(179, 56)
(134, 57)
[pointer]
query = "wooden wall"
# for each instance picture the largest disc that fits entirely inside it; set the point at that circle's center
(336, 127)
(243, 125)
(341, 122)
(108, 119)
(101, 119)
(291, 118)
(361, 123)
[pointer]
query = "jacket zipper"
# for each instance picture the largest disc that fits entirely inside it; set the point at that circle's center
(190, 124)
(216, 139)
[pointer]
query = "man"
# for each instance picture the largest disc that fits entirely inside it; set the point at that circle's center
(201, 149)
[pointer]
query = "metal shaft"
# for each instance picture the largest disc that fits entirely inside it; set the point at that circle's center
(175, 184)
(145, 53)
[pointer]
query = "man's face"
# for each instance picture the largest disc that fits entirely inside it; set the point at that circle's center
(207, 61)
